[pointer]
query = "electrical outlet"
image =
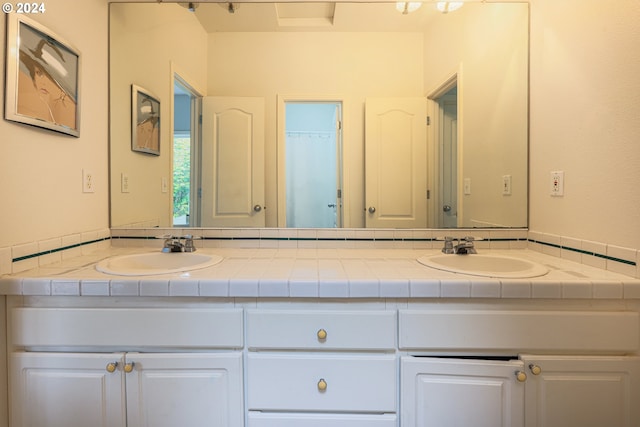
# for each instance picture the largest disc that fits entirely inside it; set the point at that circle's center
(124, 183)
(164, 185)
(557, 184)
(506, 185)
(88, 181)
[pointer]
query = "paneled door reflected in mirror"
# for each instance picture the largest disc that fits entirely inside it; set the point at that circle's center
(313, 164)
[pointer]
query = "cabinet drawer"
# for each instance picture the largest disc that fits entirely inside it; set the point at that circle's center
(321, 330)
(127, 328)
(522, 330)
(339, 383)
(261, 419)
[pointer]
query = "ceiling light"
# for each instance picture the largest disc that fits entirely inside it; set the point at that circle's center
(405, 7)
(449, 6)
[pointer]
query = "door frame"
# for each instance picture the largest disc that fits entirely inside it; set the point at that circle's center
(281, 159)
(196, 145)
(434, 136)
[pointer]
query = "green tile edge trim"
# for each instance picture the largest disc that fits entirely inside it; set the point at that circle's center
(63, 248)
(582, 251)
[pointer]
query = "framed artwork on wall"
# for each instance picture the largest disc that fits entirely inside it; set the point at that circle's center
(42, 77)
(145, 121)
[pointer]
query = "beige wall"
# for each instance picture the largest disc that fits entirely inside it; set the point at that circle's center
(487, 48)
(350, 66)
(150, 42)
(585, 105)
(585, 119)
(41, 171)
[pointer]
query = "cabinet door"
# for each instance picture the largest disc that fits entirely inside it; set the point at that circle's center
(461, 393)
(186, 390)
(66, 390)
(567, 391)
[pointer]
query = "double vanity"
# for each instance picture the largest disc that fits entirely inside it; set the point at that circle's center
(322, 337)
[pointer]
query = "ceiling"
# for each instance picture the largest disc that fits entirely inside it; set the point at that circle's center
(308, 16)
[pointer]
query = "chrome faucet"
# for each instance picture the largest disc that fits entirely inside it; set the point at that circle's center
(464, 246)
(174, 244)
(448, 246)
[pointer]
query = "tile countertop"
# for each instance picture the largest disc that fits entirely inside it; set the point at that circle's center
(321, 273)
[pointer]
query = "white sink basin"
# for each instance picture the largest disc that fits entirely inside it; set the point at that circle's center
(156, 263)
(485, 265)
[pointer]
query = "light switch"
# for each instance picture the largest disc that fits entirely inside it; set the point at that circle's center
(467, 186)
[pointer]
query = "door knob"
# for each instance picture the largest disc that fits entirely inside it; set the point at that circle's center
(521, 376)
(257, 208)
(446, 208)
(535, 369)
(111, 367)
(128, 367)
(322, 384)
(371, 209)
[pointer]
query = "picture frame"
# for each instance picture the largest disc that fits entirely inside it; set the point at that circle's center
(42, 83)
(145, 121)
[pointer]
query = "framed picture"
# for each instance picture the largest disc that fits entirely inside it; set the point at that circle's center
(145, 121)
(42, 77)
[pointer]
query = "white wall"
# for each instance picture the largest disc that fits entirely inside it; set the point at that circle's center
(41, 171)
(149, 43)
(585, 119)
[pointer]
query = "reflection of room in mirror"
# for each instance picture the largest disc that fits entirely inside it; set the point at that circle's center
(351, 51)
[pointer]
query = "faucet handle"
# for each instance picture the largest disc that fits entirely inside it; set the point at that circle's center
(188, 242)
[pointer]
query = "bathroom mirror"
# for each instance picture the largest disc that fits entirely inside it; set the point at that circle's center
(431, 111)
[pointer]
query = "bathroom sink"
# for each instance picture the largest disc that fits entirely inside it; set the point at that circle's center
(156, 263)
(485, 265)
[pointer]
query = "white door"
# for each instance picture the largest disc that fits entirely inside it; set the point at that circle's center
(565, 391)
(461, 393)
(67, 390)
(232, 162)
(186, 390)
(396, 163)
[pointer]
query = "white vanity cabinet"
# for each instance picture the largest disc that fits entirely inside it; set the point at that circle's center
(320, 368)
(133, 390)
(585, 391)
(461, 392)
(581, 387)
(177, 367)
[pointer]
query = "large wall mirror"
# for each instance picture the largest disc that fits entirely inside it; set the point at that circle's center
(320, 115)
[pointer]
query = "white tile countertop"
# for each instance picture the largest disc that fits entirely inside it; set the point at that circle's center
(321, 273)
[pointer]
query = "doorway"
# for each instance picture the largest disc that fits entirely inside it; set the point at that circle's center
(313, 164)
(448, 148)
(186, 146)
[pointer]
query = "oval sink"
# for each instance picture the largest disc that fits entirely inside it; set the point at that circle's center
(485, 265)
(156, 263)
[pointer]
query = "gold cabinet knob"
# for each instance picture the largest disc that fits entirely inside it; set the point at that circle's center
(521, 376)
(322, 334)
(111, 367)
(535, 369)
(322, 384)
(128, 367)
